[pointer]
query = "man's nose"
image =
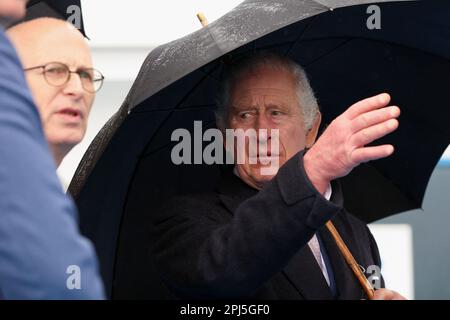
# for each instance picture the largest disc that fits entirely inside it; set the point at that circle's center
(262, 123)
(74, 86)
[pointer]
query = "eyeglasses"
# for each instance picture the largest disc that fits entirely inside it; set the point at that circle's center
(58, 74)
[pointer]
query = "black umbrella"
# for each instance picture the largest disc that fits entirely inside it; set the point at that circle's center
(127, 171)
(69, 10)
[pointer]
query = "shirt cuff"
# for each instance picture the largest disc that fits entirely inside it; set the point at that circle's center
(327, 194)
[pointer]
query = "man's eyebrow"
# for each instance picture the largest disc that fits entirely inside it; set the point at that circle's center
(242, 107)
(84, 68)
(72, 64)
(277, 105)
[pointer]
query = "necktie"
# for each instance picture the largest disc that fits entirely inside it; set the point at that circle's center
(315, 248)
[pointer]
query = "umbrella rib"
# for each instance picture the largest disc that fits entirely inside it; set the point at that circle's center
(204, 106)
(176, 107)
(323, 4)
(329, 52)
(254, 46)
(208, 74)
(277, 45)
(300, 36)
(393, 43)
(150, 152)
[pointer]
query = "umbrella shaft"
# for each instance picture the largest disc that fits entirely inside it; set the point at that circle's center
(368, 289)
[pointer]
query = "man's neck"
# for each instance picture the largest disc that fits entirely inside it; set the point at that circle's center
(59, 152)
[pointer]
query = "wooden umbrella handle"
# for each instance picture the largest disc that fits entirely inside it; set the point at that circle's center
(202, 18)
(368, 289)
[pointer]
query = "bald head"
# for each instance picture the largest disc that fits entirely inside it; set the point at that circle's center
(39, 40)
(64, 109)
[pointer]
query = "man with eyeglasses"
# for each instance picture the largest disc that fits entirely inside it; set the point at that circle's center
(42, 254)
(58, 68)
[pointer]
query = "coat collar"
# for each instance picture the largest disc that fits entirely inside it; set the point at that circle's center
(233, 191)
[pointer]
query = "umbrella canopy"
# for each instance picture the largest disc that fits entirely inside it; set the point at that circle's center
(127, 171)
(60, 9)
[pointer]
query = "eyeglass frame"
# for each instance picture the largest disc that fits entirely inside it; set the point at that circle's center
(102, 77)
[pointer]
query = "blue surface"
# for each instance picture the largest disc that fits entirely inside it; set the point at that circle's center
(39, 237)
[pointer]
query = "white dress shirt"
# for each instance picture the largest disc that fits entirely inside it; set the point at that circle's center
(315, 246)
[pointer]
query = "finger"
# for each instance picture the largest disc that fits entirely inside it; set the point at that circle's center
(368, 135)
(366, 154)
(368, 104)
(397, 296)
(371, 118)
(383, 294)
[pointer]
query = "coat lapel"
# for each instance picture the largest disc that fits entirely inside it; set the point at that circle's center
(306, 276)
(302, 271)
(347, 285)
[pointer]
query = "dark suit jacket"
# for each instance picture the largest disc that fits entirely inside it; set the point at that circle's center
(241, 243)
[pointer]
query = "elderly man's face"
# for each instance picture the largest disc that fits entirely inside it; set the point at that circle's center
(13, 9)
(267, 99)
(64, 109)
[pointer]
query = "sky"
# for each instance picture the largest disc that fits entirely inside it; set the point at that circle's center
(142, 23)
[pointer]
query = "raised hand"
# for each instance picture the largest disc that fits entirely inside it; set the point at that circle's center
(342, 146)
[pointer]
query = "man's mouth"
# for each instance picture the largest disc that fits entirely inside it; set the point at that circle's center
(264, 158)
(269, 154)
(70, 114)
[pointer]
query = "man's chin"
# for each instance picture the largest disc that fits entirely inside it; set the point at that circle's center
(252, 176)
(68, 141)
(264, 174)
(266, 171)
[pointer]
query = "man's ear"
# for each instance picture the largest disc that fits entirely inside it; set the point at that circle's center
(311, 135)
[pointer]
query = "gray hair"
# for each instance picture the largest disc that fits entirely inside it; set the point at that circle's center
(305, 95)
